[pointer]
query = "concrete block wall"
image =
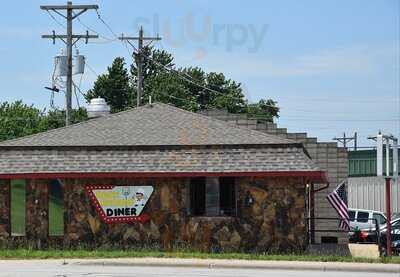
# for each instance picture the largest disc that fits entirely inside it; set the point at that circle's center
(327, 155)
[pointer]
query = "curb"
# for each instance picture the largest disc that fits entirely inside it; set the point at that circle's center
(243, 264)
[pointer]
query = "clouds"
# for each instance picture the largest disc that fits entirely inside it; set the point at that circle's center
(351, 60)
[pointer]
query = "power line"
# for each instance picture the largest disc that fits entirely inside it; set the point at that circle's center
(91, 69)
(139, 60)
(105, 24)
(55, 19)
(344, 120)
(94, 31)
(69, 39)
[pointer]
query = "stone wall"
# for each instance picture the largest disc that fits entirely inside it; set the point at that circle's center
(37, 220)
(275, 222)
(326, 155)
(5, 227)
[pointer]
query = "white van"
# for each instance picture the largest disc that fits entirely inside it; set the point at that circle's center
(362, 219)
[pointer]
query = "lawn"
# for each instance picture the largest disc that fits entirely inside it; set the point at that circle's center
(60, 254)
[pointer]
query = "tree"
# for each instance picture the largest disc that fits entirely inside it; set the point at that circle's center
(263, 110)
(114, 87)
(56, 118)
(18, 119)
(190, 88)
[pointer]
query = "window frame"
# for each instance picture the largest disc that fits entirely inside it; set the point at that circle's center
(12, 214)
(205, 215)
(366, 218)
(354, 218)
(374, 215)
(49, 184)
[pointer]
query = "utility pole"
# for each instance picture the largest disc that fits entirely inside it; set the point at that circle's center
(380, 140)
(69, 39)
(139, 60)
(344, 140)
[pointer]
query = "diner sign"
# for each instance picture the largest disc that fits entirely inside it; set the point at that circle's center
(120, 204)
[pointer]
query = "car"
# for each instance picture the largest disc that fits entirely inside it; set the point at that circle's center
(361, 219)
(369, 236)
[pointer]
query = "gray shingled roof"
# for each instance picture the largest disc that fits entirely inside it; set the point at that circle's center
(158, 138)
(237, 159)
(159, 124)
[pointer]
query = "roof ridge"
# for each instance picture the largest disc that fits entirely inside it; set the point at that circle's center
(73, 125)
(227, 123)
(125, 134)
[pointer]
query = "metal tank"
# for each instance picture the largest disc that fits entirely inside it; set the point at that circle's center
(60, 63)
(97, 108)
(79, 66)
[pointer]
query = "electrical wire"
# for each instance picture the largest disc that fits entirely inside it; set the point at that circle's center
(76, 97)
(91, 69)
(105, 24)
(79, 89)
(94, 31)
(55, 19)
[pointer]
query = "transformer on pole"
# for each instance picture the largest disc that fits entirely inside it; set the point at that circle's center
(69, 39)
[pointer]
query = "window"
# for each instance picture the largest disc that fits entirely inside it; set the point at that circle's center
(227, 196)
(18, 203)
(333, 240)
(362, 217)
(380, 218)
(352, 215)
(197, 196)
(212, 197)
(56, 208)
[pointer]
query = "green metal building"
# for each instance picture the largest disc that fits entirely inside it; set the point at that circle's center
(362, 163)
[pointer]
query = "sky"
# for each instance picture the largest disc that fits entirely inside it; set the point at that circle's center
(333, 66)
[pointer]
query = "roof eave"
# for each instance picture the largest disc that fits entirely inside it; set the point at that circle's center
(310, 176)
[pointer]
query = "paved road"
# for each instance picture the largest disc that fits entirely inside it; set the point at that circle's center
(57, 269)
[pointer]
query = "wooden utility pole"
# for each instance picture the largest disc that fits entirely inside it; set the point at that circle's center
(344, 140)
(69, 39)
(139, 60)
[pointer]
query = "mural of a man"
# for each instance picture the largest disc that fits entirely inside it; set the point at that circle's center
(139, 198)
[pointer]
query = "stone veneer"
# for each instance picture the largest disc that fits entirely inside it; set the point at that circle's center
(326, 155)
(37, 224)
(275, 222)
(5, 227)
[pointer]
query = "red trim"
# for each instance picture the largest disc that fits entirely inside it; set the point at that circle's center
(316, 176)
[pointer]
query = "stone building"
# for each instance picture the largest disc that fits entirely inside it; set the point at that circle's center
(327, 156)
(157, 176)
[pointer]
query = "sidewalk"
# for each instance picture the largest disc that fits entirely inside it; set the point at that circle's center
(216, 263)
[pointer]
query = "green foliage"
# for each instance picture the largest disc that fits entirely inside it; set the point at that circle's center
(114, 87)
(264, 109)
(18, 119)
(190, 88)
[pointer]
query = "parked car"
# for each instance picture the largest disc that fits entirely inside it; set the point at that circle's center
(369, 236)
(363, 219)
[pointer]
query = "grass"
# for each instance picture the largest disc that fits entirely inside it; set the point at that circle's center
(71, 254)
(56, 227)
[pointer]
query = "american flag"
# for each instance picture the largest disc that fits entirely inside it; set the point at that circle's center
(338, 200)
